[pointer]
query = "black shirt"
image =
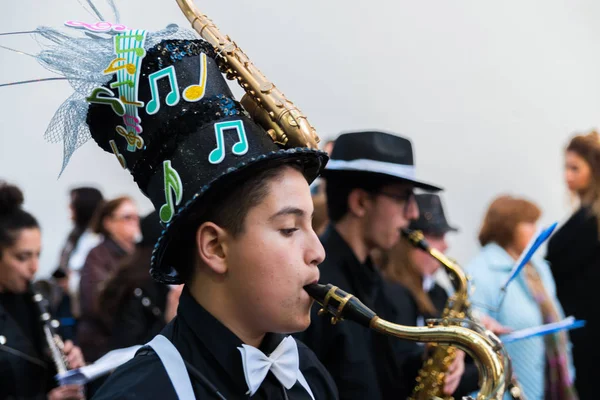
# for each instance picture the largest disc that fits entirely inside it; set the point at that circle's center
(364, 364)
(212, 349)
(574, 257)
(26, 371)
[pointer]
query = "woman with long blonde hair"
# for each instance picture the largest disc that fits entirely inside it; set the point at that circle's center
(574, 256)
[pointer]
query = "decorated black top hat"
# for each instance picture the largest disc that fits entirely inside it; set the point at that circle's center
(432, 219)
(167, 114)
(368, 154)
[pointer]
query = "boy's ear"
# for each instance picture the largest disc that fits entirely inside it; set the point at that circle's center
(357, 200)
(211, 245)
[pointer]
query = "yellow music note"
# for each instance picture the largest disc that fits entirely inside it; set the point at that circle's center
(194, 93)
(133, 103)
(112, 67)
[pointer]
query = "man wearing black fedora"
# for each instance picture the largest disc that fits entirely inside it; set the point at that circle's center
(370, 180)
(236, 213)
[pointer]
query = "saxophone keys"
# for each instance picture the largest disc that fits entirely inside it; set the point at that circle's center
(2, 340)
(266, 87)
(292, 121)
(273, 135)
(55, 324)
(229, 48)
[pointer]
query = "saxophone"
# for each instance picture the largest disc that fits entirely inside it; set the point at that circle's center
(430, 380)
(492, 371)
(49, 326)
(265, 103)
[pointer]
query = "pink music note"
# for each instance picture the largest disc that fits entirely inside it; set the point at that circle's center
(133, 122)
(101, 26)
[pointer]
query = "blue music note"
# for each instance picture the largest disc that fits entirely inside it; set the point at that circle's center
(240, 148)
(172, 185)
(173, 96)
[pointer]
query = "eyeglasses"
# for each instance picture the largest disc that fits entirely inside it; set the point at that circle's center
(407, 198)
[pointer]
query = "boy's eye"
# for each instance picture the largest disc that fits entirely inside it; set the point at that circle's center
(288, 232)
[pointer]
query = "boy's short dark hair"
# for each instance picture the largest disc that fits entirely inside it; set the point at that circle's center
(227, 205)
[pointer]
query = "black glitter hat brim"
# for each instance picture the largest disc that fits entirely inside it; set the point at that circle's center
(312, 161)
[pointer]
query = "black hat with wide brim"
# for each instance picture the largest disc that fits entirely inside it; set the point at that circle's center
(365, 155)
(432, 219)
(186, 136)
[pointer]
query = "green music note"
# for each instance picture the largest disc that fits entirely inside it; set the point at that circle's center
(172, 98)
(172, 185)
(128, 82)
(115, 103)
(139, 51)
(238, 149)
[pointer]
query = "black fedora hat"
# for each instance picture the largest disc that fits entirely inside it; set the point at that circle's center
(365, 154)
(431, 219)
(164, 109)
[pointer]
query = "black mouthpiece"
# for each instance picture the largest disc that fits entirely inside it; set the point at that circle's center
(340, 304)
(415, 238)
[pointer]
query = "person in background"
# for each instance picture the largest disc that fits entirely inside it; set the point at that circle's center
(574, 257)
(415, 269)
(26, 370)
(370, 181)
(119, 224)
(137, 307)
(320, 217)
(542, 365)
(84, 203)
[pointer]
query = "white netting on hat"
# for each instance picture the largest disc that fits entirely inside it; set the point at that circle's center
(81, 60)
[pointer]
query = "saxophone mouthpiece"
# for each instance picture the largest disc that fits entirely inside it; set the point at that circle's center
(340, 304)
(317, 291)
(416, 238)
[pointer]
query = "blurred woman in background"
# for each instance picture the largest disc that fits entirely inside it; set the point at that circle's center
(26, 370)
(119, 224)
(84, 203)
(137, 307)
(574, 256)
(542, 365)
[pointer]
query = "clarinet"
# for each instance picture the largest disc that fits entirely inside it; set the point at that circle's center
(49, 326)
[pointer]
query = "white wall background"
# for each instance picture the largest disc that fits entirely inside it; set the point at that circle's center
(489, 92)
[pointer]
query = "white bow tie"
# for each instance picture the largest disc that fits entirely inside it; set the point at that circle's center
(282, 362)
